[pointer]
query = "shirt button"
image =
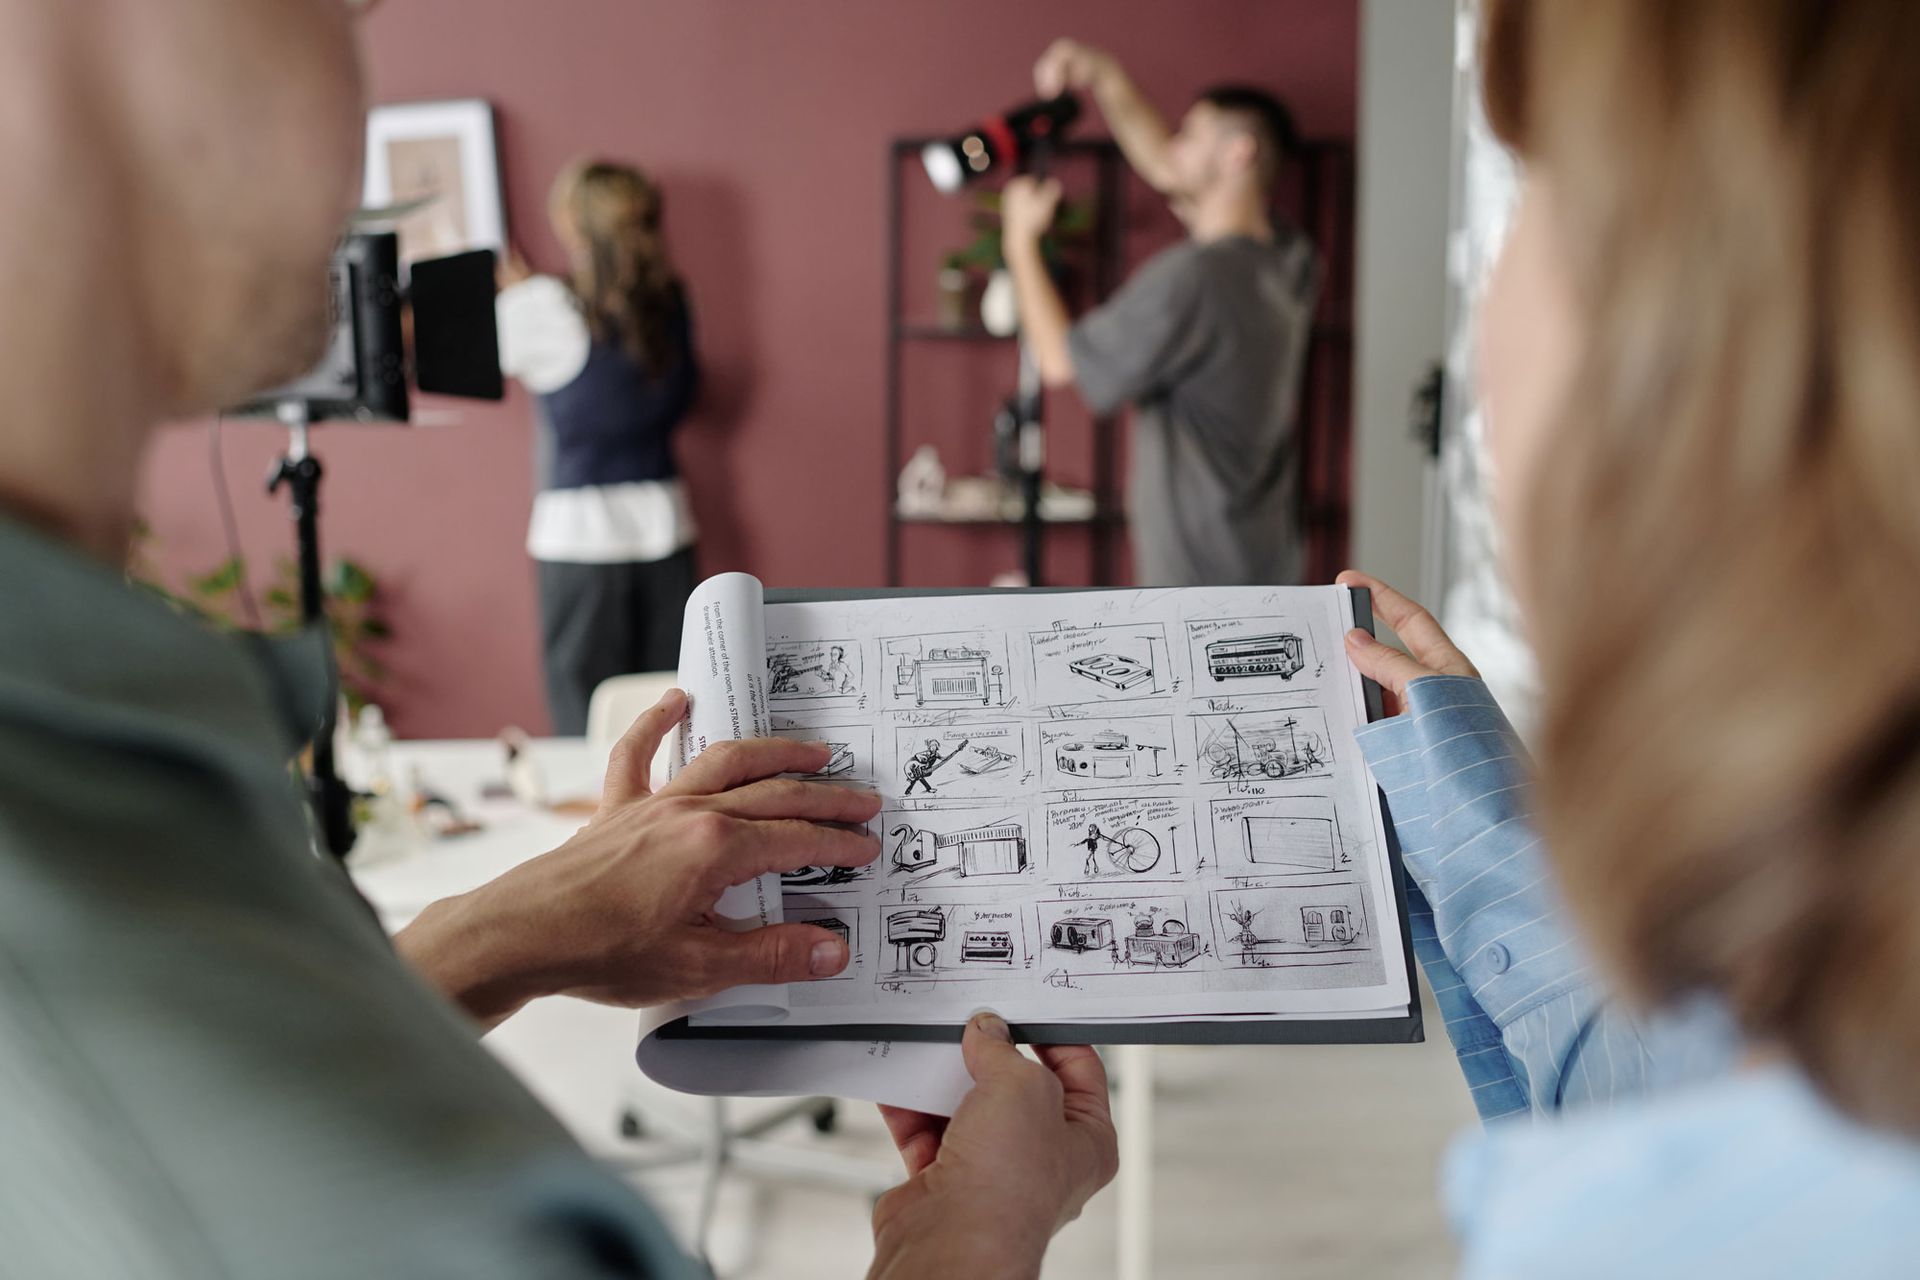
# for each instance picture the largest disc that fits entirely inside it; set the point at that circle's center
(1498, 959)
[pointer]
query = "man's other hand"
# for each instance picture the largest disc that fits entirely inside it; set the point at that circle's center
(1068, 64)
(986, 1190)
(623, 913)
(1027, 208)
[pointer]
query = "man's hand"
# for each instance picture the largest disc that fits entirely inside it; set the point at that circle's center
(1434, 654)
(1026, 211)
(623, 913)
(986, 1190)
(1068, 64)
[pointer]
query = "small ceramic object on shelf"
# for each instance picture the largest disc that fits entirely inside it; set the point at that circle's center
(1000, 306)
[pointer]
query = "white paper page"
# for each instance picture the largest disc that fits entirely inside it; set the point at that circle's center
(925, 1077)
(723, 671)
(1099, 805)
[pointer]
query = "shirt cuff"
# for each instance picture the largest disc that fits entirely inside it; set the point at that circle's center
(1458, 790)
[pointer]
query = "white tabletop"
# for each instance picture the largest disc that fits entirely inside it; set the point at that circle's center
(400, 882)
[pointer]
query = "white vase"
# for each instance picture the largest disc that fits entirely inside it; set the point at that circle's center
(1000, 306)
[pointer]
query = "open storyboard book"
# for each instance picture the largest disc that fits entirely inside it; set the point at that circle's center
(1142, 810)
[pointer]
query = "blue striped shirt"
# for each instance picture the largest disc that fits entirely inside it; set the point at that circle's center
(1529, 1018)
(1702, 1169)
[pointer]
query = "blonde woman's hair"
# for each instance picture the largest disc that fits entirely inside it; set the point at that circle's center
(1723, 551)
(621, 275)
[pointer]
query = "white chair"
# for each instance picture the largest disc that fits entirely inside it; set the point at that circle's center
(618, 702)
(713, 1142)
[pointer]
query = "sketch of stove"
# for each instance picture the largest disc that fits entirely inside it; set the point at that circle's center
(987, 946)
(1116, 671)
(1079, 664)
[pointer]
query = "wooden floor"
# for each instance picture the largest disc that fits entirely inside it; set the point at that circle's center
(1278, 1163)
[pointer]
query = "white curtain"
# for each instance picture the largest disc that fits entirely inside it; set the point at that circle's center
(1475, 604)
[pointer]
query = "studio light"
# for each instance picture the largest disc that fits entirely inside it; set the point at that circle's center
(1002, 144)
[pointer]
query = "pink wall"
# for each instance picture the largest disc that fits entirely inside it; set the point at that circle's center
(766, 122)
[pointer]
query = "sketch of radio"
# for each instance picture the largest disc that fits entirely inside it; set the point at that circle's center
(1116, 671)
(1170, 947)
(1081, 933)
(986, 946)
(916, 936)
(997, 850)
(950, 675)
(1282, 654)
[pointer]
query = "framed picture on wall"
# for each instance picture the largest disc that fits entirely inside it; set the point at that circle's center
(438, 162)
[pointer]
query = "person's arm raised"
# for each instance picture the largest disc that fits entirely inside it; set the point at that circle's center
(1026, 211)
(622, 913)
(1136, 125)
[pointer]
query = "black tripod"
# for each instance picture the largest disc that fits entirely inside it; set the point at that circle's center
(300, 471)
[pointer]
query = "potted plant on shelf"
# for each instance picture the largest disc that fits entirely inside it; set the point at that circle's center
(980, 268)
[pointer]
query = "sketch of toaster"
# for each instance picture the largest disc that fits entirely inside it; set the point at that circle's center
(1115, 670)
(955, 674)
(1281, 654)
(839, 762)
(1080, 933)
(987, 946)
(835, 924)
(1171, 947)
(1103, 755)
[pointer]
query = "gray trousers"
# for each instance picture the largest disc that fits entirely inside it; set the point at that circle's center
(604, 620)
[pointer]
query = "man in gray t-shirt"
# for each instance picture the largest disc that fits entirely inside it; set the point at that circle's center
(1207, 341)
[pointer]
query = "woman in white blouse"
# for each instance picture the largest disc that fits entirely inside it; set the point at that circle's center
(609, 354)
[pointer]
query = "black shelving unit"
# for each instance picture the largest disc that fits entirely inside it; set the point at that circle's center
(1320, 202)
(1109, 215)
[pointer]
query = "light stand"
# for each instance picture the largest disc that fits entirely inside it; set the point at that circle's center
(300, 471)
(1030, 408)
(1031, 452)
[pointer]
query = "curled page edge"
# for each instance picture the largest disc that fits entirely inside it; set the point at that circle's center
(723, 661)
(930, 1078)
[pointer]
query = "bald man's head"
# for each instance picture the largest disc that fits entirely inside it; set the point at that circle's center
(183, 167)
